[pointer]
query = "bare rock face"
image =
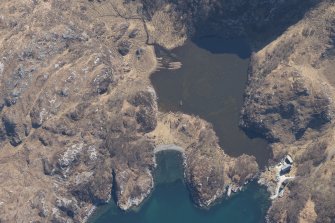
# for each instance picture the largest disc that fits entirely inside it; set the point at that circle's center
(206, 181)
(94, 188)
(132, 164)
(132, 187)
(146, 110)
(15, 128)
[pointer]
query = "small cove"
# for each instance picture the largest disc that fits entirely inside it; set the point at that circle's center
(170, 201)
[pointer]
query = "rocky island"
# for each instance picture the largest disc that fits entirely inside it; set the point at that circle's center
(79, 117)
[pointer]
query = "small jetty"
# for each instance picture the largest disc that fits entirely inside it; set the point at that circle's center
(174, 65)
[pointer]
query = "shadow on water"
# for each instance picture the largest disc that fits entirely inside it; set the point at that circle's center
(211, 84)
(170, 201)
(261, 23)
(217, 45)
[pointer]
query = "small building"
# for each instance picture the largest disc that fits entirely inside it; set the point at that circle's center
(285, 169)
(288, 160)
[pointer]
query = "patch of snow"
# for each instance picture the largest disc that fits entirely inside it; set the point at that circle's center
(96, 60)
(43, 113)
(70, 155)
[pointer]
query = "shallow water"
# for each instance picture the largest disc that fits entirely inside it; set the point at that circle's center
(170, 201)
(211, 84)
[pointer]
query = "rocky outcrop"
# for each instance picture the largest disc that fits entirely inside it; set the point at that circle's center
(208, 170)
(284, 104)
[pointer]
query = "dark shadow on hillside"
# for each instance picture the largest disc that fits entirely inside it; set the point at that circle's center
(219, 46)
(262, 23)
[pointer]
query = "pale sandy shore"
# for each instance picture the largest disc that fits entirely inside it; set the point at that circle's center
(168, 147)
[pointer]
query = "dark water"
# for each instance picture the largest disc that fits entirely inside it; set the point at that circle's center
(170, 202)
(211, 84)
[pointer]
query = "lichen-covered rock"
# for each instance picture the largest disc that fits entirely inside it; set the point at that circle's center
(146, 110)
(94, 188)
(132, 187)
(124, 47)
(103, 80)
(14, 126)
